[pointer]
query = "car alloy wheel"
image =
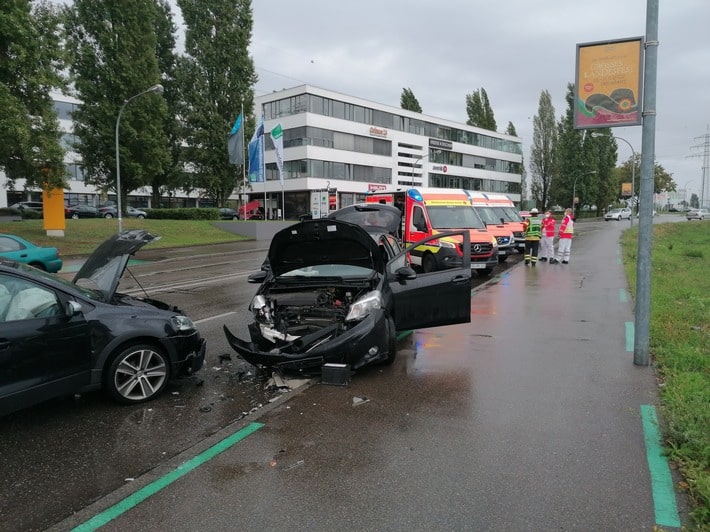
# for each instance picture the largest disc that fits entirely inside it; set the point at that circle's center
(75, 216)
(137, 374)
(108, 215)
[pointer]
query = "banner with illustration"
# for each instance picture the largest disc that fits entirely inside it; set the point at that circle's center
(608, 86)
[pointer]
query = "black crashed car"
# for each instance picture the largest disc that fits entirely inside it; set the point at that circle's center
(61, 338)
(332, 292)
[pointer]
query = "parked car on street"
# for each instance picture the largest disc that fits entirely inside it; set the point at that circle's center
(623, 213)
(81, 211)
(331, 292)
(62, 338)
(227, 213)
(110, 211)
(28, 205)
(18, 249)
(697, 214)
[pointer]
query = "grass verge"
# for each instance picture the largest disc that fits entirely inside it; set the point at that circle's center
(680, 347)
(82, 236)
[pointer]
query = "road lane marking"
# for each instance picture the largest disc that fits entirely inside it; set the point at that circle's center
(630, 336)
(154, 487)
(664, 502)
(623, 297)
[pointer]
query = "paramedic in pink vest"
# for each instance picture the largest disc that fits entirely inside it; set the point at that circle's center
(565, 233)
(547, 250)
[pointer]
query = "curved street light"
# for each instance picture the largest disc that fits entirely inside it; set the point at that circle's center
(158, 88)
(633, 171)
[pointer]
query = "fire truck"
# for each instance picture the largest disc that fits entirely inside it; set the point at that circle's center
(429, 211)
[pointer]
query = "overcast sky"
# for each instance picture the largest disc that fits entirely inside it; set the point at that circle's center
(514, 49)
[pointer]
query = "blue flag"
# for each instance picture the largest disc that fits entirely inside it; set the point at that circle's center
(256, 154)
(235, 143)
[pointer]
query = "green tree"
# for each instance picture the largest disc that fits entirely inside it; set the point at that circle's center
(30, 62)
(542, 152)
(479, 111)
(575, 165)
(605, 184)
(116, 58)
(217, 75)
(409, 102)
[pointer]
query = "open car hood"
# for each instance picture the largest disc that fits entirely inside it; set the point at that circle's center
(103, 269)
(375, 218)
(323, 241)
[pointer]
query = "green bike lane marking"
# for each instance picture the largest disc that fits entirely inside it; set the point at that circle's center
(154, 487)
(664, 501)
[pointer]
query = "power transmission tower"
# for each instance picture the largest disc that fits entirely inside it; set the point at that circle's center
(705, 183)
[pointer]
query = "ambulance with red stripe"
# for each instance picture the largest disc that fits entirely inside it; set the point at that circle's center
(503, 210)
(490, 209)
(428, 211)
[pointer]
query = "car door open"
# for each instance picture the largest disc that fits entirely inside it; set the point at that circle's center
(436, 298)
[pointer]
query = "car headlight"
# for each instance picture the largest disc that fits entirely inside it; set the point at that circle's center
(447, 244)
(182, 323)
(363, 306)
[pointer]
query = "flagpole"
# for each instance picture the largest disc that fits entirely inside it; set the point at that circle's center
(263, 162)
(244, 163)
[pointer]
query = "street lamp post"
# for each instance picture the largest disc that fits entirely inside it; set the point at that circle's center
(633, 172)
(574, 191)
(158, 88)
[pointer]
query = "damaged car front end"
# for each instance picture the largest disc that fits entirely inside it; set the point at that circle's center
(329, 293)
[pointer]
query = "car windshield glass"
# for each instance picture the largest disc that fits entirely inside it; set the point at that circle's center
(454, 217)
(489, 215)
(328, 270)
(509, 213)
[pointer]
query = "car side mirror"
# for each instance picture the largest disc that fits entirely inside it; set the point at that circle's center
(405, 273)
(257, 277)
(72, 308)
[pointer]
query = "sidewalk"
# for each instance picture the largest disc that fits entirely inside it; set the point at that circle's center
(531, 417)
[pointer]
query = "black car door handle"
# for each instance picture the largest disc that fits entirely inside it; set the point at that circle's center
(460, 279)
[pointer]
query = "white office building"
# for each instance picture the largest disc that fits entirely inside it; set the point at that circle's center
(339, 147)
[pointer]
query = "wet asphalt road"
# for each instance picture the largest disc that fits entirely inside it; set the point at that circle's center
(60, 456)
(507, 423)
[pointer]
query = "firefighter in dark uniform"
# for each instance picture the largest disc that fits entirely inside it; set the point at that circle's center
(533, 233)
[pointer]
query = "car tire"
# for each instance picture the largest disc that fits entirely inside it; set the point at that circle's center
(108, 215)
(428, 263)
(502, 258)
(138, 373)
(391, 342)
(140, 216)
(75, 216)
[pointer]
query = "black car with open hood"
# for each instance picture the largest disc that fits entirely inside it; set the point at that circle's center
(333, 293)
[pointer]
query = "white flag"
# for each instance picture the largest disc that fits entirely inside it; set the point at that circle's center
(277, 136)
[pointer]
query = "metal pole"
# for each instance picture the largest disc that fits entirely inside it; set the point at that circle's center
(643, 265)
(119, 211)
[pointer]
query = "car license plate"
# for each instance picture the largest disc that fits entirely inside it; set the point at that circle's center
(478, 265)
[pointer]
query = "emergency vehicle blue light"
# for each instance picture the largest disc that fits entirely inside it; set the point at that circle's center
(414, 194)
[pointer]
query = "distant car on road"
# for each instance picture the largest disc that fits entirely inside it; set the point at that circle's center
(28, 206)
(18, 249)
(698, 214)
(110, 212)
(227, 213)
(81, 211)
(623, 213)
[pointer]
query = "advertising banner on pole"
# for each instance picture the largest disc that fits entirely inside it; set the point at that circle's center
(608, 84)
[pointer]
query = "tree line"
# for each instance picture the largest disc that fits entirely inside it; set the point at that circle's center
(564, 161)
(105, 53)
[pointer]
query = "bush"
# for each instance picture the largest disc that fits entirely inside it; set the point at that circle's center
(183, 214)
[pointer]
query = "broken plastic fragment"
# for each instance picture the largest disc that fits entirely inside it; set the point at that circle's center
(357, 401)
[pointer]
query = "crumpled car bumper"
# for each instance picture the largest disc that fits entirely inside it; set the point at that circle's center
(364, 343)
